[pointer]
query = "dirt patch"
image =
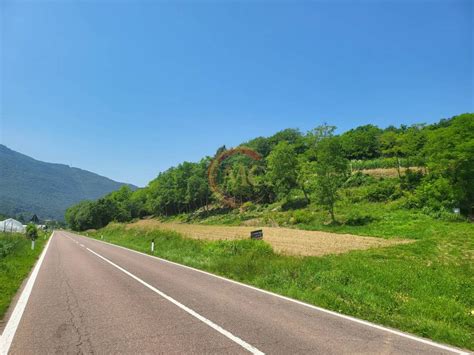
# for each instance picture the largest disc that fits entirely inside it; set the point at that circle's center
(283, 240)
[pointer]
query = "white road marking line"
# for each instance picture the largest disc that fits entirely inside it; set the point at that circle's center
(340, 315)
(211, 324)
(12, 325)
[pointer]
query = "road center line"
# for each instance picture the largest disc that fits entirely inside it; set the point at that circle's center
(208, 322)
(12, 325)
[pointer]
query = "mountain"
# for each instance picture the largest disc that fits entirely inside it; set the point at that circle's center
(29, 186)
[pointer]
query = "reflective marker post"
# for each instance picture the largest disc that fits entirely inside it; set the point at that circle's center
(153, 245)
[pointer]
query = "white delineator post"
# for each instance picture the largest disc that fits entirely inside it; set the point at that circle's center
(152, 245)
(32, 244)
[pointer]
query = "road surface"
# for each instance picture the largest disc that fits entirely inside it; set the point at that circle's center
(92, 297)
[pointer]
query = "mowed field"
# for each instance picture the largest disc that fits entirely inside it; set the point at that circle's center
(285, 241)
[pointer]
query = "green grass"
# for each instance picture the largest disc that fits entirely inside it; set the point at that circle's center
(16, 261)
(426, 287)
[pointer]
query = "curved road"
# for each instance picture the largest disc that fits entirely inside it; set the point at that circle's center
(93, 297)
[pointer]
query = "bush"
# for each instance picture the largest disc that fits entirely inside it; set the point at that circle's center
(303, 216)
(31, 231)
(384, 190)
(411, 180)
(7, 245)
(435, 194)
(355, 194)
(451, 217)
(294, 204)
(248, 206)
(359, 179)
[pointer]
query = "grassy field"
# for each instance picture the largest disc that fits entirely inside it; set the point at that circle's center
(16, 261)
(287, 241)
(425, 287)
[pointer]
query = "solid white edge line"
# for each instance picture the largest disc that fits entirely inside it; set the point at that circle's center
(208, 322)
(12, 325)
(340, 315)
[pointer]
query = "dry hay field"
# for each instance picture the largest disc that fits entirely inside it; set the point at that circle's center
(387, 172)
(283, 240)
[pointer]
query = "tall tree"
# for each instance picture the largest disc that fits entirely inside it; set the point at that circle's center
(306, 176)
(282, 168)
(332, 170)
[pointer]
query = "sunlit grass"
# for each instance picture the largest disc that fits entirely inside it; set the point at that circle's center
(16, 261)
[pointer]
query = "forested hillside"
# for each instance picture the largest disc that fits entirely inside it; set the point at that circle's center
(434, 167)
(29, 186)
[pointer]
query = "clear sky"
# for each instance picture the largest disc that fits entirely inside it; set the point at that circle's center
(129, 88)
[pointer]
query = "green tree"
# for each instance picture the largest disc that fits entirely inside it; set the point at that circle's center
(31, 231)
(391, 144)
(412, 142)
(238, 183)
(261, 145)
(362, 142)
(314, 136)
(332, 171)
(291, 136)
(282, 169)
(306, 176)
(450, 151)
(138, 203)
(82, 216)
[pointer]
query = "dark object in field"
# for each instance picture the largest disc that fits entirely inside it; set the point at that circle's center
(258, 234)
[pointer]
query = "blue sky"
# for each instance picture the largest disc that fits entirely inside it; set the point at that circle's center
(127, 89)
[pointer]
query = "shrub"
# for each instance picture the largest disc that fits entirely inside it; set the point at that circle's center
(355, 194)
(248, 206)
(435, 194)
(294, 204)
(7, 245)
(31, 231)
(451, 217)
(303, 216)
(411, 179)
(384, 190)
(359, 179)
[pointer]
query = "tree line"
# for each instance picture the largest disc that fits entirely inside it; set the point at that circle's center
(315, 164)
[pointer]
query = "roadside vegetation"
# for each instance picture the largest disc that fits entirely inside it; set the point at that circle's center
(16, 261)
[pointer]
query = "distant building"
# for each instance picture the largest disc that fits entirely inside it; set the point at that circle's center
(12, 225)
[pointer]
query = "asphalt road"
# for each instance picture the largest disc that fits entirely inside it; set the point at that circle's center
(91, 297)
